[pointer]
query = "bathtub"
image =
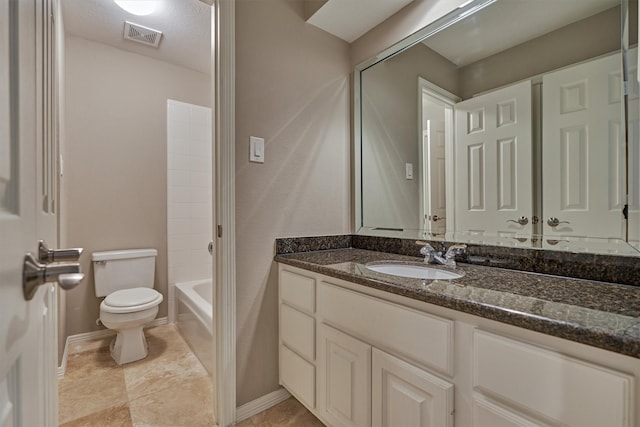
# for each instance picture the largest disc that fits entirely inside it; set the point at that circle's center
(195, 318)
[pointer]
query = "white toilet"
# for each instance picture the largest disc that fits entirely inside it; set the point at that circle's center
(125, 278)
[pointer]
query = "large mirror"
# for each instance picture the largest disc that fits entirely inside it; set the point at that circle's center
(506, 122)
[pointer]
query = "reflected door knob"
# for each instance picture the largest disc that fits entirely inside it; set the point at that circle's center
(523, 220)
(437, 218)
(554, 222)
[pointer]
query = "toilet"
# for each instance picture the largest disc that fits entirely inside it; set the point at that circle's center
(125, 278)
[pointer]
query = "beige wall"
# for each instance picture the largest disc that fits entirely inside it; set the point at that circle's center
(582, 40)
(390, 110)
(115, 163)
(292, 88)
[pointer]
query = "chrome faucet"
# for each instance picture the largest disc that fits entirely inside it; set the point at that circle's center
(431, 256)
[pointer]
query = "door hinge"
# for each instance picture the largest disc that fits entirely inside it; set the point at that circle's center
(625, 211)
(625, 87)
(219, 231)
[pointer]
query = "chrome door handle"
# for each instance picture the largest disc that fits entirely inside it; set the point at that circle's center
(554, 222)
(34, 274)
(437, 218)
(46, 255)
(523, 220)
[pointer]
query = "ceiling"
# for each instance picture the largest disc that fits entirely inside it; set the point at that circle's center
(185, 24)
(350, 19)
(508, 23)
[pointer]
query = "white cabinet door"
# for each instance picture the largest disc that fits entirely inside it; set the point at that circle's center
(493, 161)
(345, 379)
(404, 395)
(583, 149)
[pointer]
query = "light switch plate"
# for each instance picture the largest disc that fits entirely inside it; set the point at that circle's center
(408, 170)
(256, 149)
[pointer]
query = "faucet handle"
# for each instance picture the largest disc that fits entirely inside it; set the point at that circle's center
(456, 249)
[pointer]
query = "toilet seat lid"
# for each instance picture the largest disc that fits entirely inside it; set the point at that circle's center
(131, 297)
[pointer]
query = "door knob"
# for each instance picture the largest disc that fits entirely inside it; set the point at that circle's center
(34, 274)
(523, 220)
(554, 222)
(210, 247)
(46, 255)
(437, 218)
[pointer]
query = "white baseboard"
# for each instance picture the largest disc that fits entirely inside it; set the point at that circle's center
(260, 404)
(93, 336)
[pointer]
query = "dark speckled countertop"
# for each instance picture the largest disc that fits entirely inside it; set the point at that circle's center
(599, 314)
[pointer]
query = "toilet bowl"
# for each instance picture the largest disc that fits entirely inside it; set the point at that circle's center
(125, 278)
(126, 312)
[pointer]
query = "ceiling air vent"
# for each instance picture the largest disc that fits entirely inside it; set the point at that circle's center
(140, 34)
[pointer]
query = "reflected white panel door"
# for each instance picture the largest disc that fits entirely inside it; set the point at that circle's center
(493, 184)
(345, 379)
(403, 395)
(582, 149)
(26, 377)
(434, 185)
(634, 150)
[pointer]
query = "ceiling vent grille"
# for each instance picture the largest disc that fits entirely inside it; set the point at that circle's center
(140, 34)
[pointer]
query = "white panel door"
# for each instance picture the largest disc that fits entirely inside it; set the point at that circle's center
(434, 177)
(344, 367)
(634, 150)
(493, 184)
(404, 395)
(583, 150)
(27, 379)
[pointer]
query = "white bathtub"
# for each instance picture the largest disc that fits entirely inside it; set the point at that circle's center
(195, 318)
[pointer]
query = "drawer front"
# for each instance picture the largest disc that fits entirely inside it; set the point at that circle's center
(297, 331)
(298, 376)
(298, 290)
(425, 339)
(550, 385)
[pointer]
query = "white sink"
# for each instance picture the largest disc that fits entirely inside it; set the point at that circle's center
(414, 271)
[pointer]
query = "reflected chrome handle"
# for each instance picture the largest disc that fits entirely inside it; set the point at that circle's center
(523, 220)
(210, 247)
(437, 218)
(34, 274)
(47, 255)
(554, 222)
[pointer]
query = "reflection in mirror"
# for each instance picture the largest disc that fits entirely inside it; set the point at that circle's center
(506, 127)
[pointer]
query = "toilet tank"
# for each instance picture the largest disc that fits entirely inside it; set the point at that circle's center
(123, 269)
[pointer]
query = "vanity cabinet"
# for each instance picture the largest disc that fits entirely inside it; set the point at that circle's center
(357, 356)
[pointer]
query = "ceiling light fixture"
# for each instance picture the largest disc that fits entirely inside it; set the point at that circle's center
(138, 7)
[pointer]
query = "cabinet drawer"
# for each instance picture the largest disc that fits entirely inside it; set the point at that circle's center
(298, 376)
(425, 339)
(550, 385)
(298, 290)
(297, 331)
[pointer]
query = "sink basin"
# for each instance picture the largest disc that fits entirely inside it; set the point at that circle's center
(414, 271)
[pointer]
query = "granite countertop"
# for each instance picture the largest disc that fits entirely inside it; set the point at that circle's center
(599, 314)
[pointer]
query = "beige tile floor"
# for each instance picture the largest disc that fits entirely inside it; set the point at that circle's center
(169, 388)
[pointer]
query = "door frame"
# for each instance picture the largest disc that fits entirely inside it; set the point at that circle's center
(224, 297)
(426, 88)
